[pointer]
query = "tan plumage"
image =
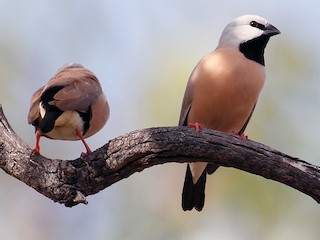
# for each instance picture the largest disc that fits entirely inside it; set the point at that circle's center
(217, 100)
(71, 106)
(222, 92)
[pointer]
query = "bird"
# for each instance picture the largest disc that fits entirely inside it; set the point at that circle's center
(71, 106)
(222, 92)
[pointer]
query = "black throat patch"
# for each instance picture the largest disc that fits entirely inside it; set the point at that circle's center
(254, 49)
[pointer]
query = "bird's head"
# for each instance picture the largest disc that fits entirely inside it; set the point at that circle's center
(244, 29)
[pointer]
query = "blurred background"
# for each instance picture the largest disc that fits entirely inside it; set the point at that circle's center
(143, 53)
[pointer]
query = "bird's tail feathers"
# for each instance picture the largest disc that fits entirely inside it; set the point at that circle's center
(193, 195)
(211, 168)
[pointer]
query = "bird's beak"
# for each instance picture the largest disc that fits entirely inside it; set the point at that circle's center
(270, 30)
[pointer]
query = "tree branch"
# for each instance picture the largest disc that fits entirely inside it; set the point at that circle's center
(69, 182)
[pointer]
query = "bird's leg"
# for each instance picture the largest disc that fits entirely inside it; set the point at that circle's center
(196, 126)
(79, 134)
(36, 149)
(242, 135)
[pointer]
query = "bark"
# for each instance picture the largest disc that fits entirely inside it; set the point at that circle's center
(70, 181)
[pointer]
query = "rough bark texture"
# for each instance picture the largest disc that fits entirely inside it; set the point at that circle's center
(69, 182)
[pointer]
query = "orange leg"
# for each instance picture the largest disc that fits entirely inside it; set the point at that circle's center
(196, 126)
(36, 149)
(84, 143)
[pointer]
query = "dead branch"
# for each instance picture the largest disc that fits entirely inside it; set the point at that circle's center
(69, 182)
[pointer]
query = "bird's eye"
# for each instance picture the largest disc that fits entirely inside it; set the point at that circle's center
(253, 24)
(257, 25)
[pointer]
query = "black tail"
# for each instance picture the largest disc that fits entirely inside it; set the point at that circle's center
(193, 194)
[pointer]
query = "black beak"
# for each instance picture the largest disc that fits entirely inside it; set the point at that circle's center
(270, 30)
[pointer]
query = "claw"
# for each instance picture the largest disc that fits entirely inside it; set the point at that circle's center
(196, 126)
(83, 154)
(242, 135)
(36, 151)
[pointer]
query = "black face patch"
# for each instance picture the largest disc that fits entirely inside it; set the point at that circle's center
(257, 25)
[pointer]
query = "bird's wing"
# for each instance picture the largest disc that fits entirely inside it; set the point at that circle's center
(76, 89)
(184, 116)
(246, 123)
(186, 103)
(34, 106)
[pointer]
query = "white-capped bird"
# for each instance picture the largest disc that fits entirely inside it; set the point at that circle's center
(222, 92)
(71, 106)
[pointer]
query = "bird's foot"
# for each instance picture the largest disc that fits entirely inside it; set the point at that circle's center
(36, 151)
(83, 154)
(196, 126)
(242, 135)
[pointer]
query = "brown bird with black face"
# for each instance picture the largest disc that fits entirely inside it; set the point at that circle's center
(71, 106)
(223, 90)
